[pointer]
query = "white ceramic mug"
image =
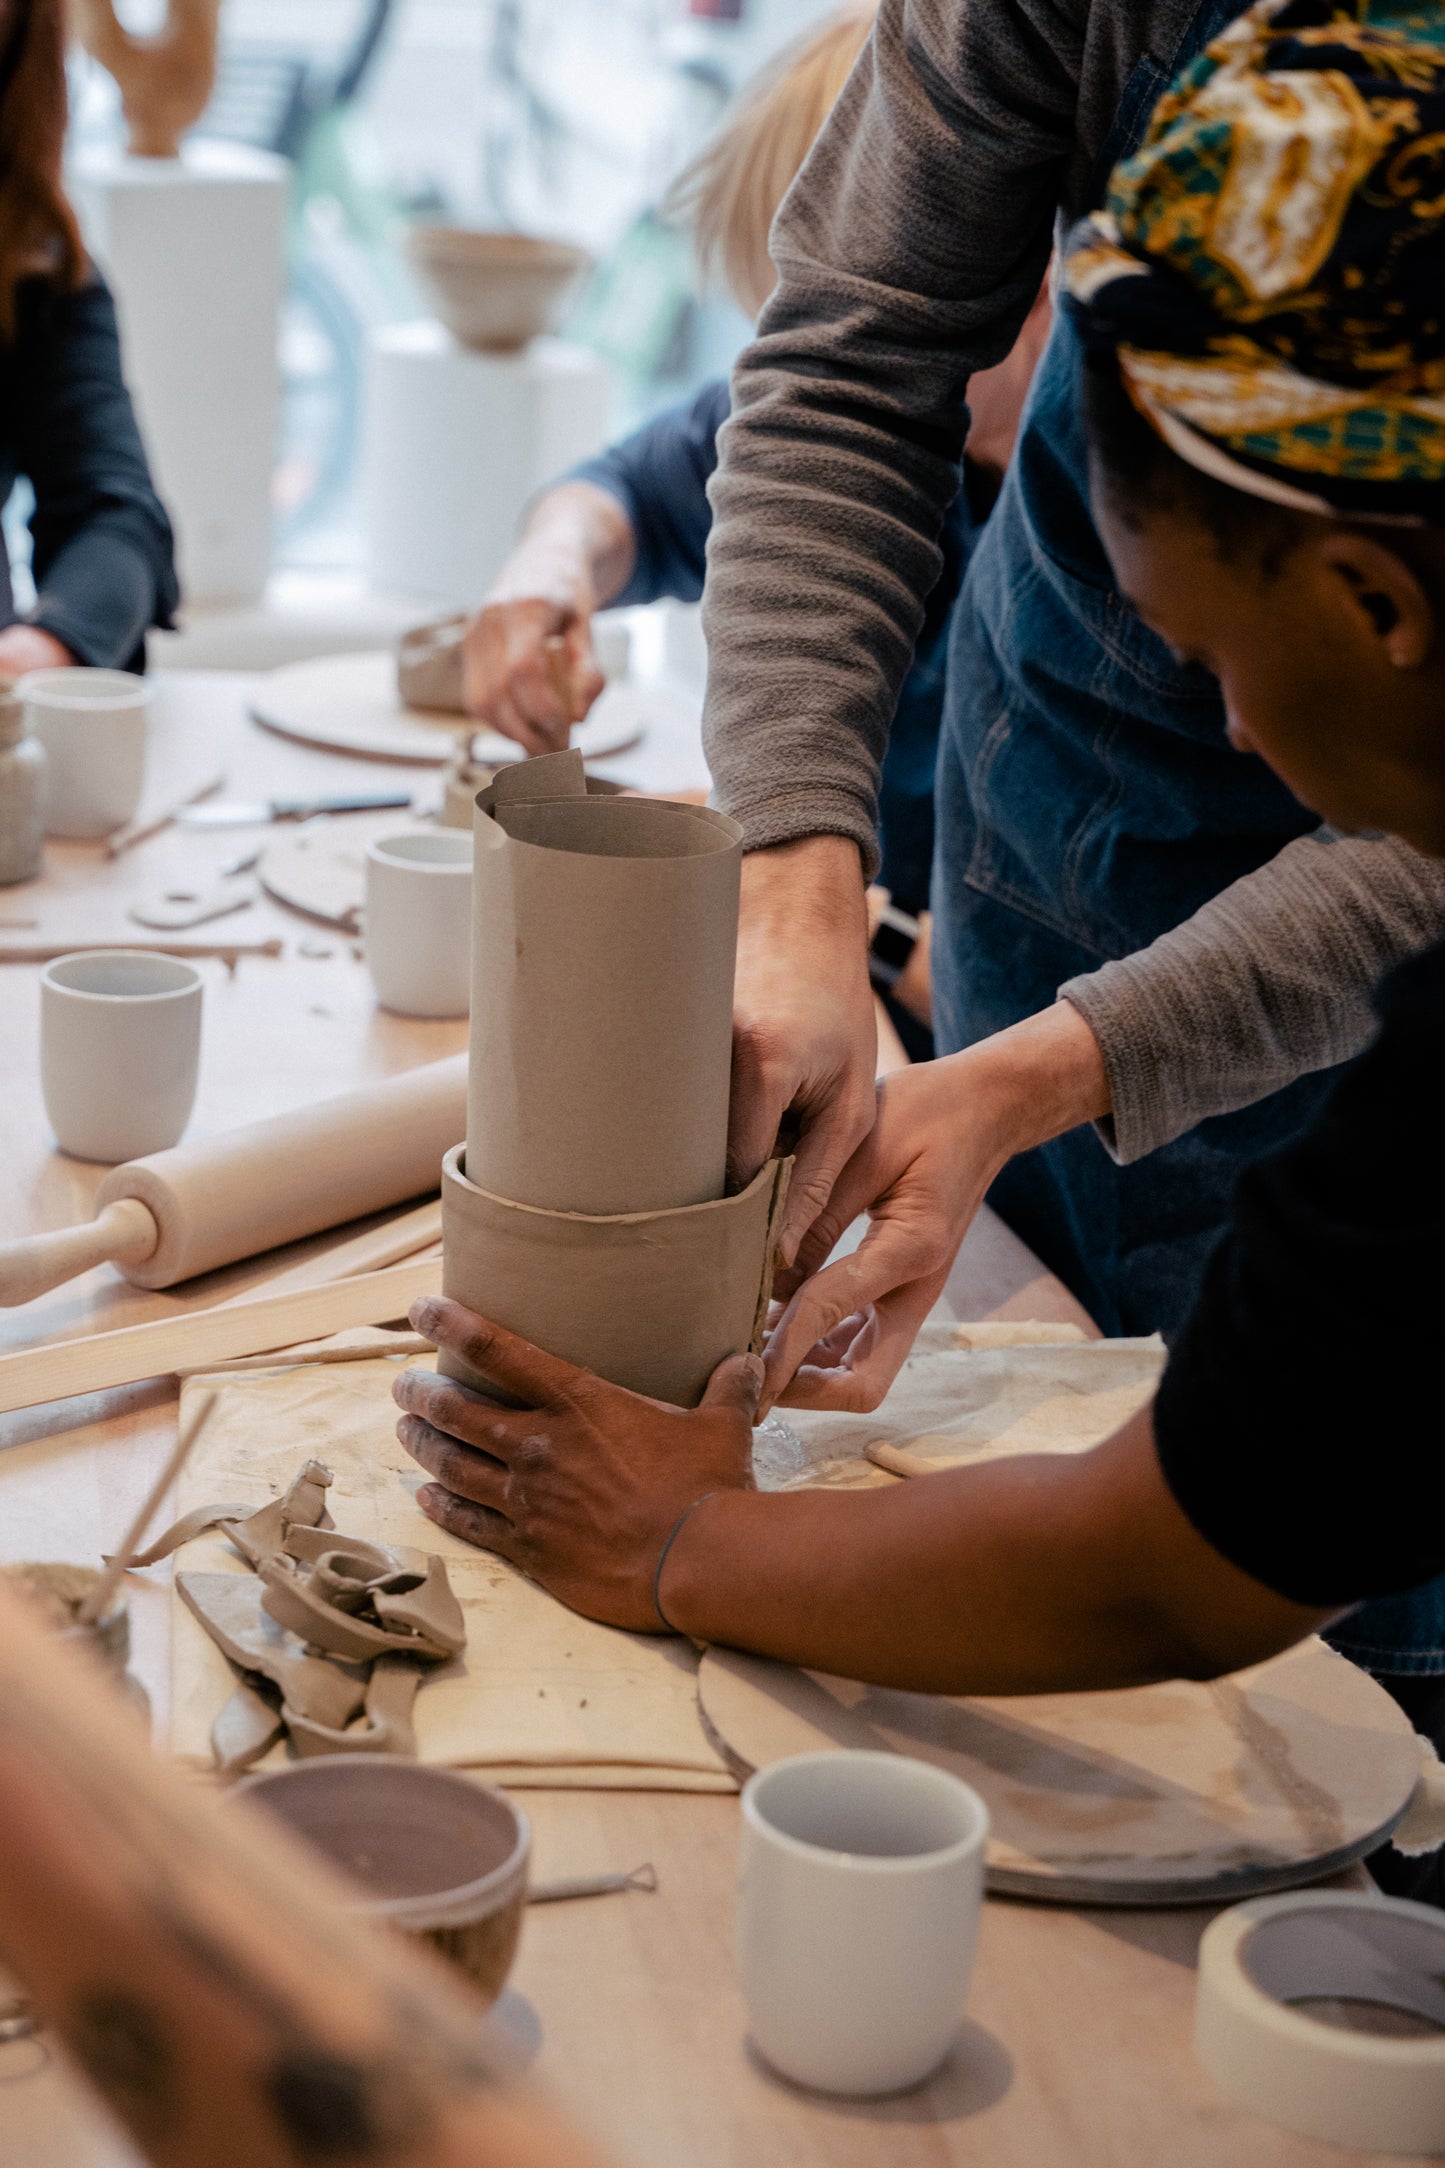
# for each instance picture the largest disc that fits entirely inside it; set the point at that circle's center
(92, 724)
(859, 1890)
(120, 1039)
(418, 927)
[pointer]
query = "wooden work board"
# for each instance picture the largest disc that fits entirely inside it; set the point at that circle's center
(1180, 1793)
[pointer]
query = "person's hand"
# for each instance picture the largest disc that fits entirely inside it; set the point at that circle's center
(528, 669)
(804, 1039)
(29, 647)
(582, 1487)
(944, 1130)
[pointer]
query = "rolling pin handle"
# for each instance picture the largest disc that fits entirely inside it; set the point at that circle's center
(123, 1234)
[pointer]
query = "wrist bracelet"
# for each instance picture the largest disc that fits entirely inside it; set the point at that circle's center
(677, 1528)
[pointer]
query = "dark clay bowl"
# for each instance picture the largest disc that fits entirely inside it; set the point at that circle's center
(437, 1855)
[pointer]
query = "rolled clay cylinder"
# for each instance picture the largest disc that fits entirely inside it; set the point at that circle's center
(651, 1300)
(603, 943)
(251, 1189)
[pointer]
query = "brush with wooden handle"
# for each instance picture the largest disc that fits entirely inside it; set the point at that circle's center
(201, 1205)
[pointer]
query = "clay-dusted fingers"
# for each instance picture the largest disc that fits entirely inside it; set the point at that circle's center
(471, 1474)
(895, 1271)
(460, 1517)
(852, 1374)
(536, 1379)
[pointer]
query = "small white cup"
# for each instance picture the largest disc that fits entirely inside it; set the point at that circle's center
(418, 927)
(859, 1890)
(92, 724)
(120, 1039)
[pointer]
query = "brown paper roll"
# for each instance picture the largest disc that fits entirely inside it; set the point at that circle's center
(651, 1300)
(604, 937)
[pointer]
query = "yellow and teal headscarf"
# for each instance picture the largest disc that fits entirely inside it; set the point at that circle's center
(1270, 264)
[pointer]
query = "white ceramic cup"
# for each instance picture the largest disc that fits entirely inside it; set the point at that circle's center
(120, 1038)
(92, 724)
(859, 1889)
(418, 928)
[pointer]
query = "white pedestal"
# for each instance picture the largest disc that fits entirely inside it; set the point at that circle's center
(454, 446)
(194, 250)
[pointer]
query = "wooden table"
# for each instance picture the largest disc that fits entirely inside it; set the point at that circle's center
(1077, 2047)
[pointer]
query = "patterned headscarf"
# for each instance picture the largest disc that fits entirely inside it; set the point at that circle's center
(1270, 264)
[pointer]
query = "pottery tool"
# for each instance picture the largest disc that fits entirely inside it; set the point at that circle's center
(98, 1602)
(226, 952)
(339, 1349)
(141, 830)
(1181, 1793)
(257, 812)
(207, 1203)
(1326, 2012)
(592, 1885)
(350, 704)
(195, 1338)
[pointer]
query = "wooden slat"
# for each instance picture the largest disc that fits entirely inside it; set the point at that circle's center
(156, 1349)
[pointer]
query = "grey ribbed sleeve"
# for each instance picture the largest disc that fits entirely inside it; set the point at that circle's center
(909, 252)
(1270, 980)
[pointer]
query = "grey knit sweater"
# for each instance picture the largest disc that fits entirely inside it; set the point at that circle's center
(908, 253)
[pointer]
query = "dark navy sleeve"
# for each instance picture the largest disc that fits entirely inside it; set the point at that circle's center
(103, 550)
(659, 476)
(1299, 1421)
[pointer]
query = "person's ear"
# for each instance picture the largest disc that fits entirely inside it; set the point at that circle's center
(1386, 603)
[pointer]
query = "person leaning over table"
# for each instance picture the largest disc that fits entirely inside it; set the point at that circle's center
(631, 525)
(1268, 476)
(1087, 801)
(102, 558)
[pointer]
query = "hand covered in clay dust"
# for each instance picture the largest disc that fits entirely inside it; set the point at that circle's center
(528, 670)
(943, 1131)
(582, 1487)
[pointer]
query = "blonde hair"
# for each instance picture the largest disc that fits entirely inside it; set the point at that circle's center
(730, 192)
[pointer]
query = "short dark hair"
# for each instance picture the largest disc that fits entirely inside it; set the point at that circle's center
(1141, 474)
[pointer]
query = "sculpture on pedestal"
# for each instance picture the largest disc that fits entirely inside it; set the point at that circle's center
(165, 78)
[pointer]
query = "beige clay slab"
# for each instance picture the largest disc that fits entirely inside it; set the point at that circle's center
(1179, 1793)
(350, 704)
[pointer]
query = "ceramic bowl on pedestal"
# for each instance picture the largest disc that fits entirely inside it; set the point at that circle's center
(494, 291)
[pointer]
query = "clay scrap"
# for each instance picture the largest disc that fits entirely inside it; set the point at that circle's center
(330, 1636)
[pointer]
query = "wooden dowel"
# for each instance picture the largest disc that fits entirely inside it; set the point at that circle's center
(46, 952)
(140, 831)
(98, 1601)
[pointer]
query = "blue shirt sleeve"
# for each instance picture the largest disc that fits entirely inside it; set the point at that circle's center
(659, 476)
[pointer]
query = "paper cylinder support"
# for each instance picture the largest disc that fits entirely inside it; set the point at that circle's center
(1325, 2011)
(651, 1300)
(587, 1211)
(604, 936)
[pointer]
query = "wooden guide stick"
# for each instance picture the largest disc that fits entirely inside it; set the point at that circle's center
(47, 952)
(387, 1245)
(97, 1603)
(100, 1360)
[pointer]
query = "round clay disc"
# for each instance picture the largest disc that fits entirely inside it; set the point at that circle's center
(1157, 1795)
(350, 704)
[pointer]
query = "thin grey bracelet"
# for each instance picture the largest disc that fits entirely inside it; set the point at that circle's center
(662, 1559)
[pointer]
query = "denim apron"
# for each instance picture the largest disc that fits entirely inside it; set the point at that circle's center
(1087, 801)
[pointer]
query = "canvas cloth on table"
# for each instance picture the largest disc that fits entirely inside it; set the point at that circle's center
(540, 1697)
(543, 1697)
(971, 1392)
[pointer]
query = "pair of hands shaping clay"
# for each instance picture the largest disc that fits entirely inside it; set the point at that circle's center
(325, 1628)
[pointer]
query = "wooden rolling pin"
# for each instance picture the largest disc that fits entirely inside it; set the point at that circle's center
(197, 1206)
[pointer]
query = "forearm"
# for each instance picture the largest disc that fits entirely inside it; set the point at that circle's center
(199, 1965)
(576, 550)
(1268, 982)
(1043, 1574)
